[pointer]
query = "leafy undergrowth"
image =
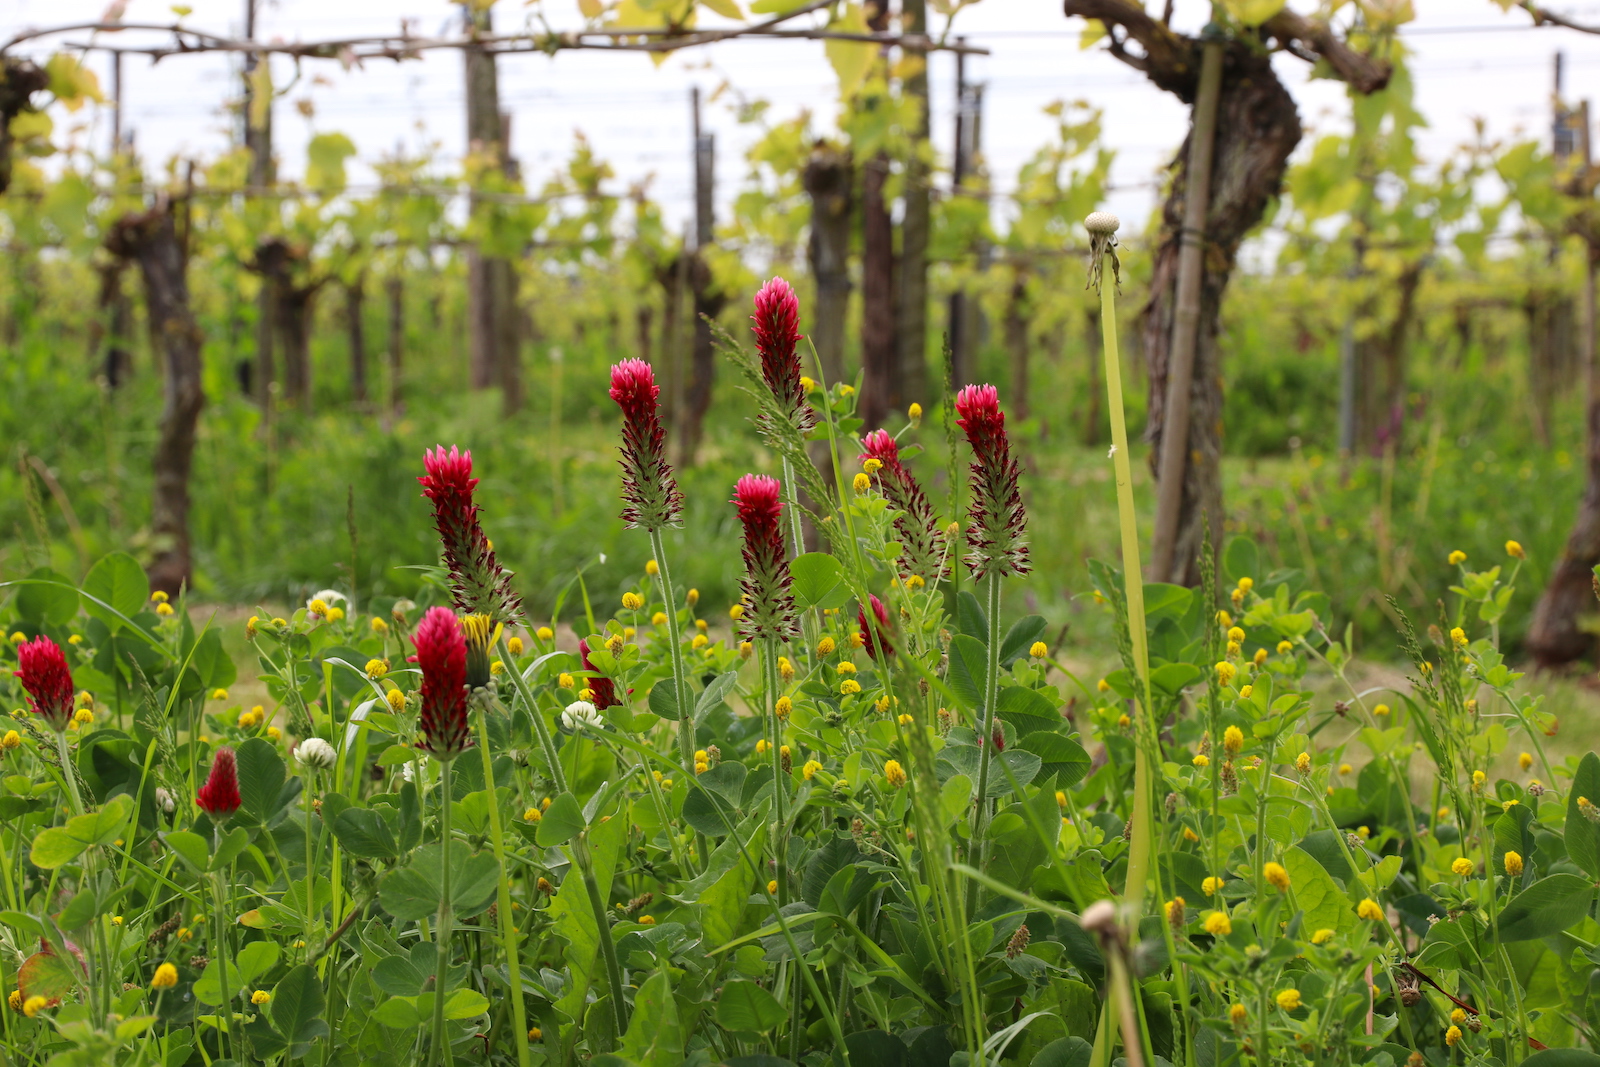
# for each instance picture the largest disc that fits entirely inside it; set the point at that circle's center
(873, 818)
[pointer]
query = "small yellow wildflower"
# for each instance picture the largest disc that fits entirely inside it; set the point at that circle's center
(564, 680)
(783, 706)
(83, 717)
(1217, 924)
(849, 686)
(158, 597)
(535, 1034)
(1189, 835)
(826, 646)
(906, 719)
(166, 977)
(632, 601)
(34, 1005)
(658, 619)
(1285, 647)
(807, 382)
(652, 568)
(894, 774)
(377, 668)
(772, 886)
(1224, 620)
(1478, 780)
(1212, 885)
(532, 815)
(1514, 550)
(1039, 650)
(1525, 760)
(116, 920)
(378, 625)
(736, 612)
(1247, 584)
(1237, 1014)
(1103, 686)
(1458, 637)
(785, 669)
(1513, 862)
(914, 413)
(846, 668)
(810, 769)
(317, 607)
(1235, 634)
(335, 613)
(544, 633)
(1458, 1016)
(161, 609)
(1201, 760)
(75, 639)
(1322, 937)
(1345, 768)
(1226, 672)
(1381, 709)
(700, 641)
(397, 701)
(701, 767)
(1289, 999)
(260, 996)
(692, 597)
(1124, 722)
(1456, 558)
(1452, 1036)
(1232, 740)
(1277, 876)
(1369, 910)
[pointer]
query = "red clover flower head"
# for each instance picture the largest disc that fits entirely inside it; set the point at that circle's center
(921, 537)
(997, 531)
(603, 689)
(869, 636)
(442, 654)
(42, 670)
(768, 604)
(777, 330)
(651, 495)
(480, 584)
(219, 797)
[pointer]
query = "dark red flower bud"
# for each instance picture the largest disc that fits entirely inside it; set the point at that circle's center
(42, 670)
(649, 490)
(997, 530)
(219, 797)
(602, 689)
(777, 330)
(921, 535)
(768, 603)
(442, 654)
(480, 584)
(869, 634)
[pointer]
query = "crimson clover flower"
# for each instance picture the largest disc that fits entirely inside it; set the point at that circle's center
(480, 584)
(777, 330)
(442, 655)
(42, 670)
(768, 604)
(649, 490)
(602, 689)
(996, 534)
(219, 797)
(870, 635)
(922, 551)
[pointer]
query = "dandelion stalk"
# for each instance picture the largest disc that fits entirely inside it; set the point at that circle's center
(1102, 227)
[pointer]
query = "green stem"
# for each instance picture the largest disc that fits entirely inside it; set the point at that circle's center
(68, 773)
(780, 837)
(608, 947)
(518, 682)
(508, 926)
(991, 688)
(680, 675)
(222, 943)
(1139, 847)
(441, 931)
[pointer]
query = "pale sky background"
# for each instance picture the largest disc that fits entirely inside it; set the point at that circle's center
(1469, 60)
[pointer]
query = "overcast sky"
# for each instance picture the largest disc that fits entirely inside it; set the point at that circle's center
(1470, 60)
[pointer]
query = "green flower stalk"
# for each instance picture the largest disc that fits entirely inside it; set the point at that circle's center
(1102, 227)
(996, 538)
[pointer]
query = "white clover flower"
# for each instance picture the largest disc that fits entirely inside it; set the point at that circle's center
(164, 799)
(580, 713)
(408, 772)
(328, 597)
(315, 754)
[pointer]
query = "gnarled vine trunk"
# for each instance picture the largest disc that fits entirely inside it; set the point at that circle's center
(150, 239)
(1257, 128)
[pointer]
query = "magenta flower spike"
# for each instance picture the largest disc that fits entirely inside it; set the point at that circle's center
(442, 655)
(921, 537)
(480, 584)
(998, 526)
(768, 603)
(649, 490)
(870, 639)
(777, 330)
